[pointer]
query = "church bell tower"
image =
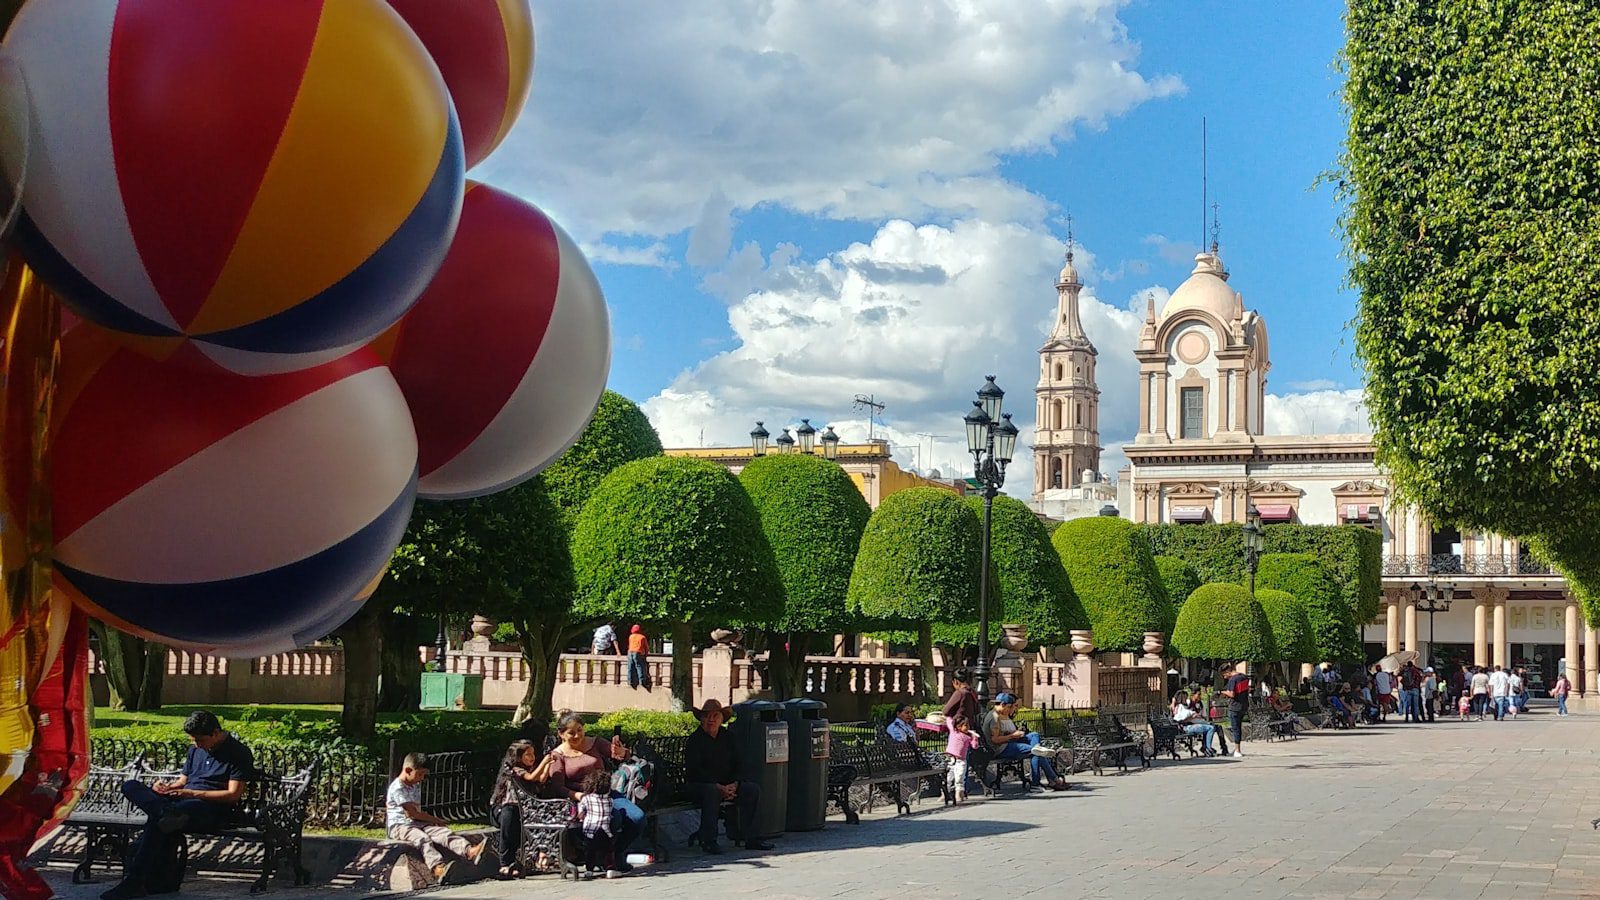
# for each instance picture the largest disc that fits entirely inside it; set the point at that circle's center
(1067, 437)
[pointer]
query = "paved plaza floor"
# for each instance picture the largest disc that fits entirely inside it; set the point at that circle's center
(1448, 810)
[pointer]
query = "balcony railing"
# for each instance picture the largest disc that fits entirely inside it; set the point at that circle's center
(1448, 564)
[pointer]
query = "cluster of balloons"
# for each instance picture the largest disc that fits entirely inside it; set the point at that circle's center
(289, 316)
(291, 312)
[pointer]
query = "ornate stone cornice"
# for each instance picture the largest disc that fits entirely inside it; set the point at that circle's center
(1362, 487)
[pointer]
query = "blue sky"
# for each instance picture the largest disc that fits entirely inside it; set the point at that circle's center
(794, 201)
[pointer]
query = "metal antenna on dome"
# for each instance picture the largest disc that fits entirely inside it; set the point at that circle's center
(1203, 185)
(1069, 237)
(1216, 229)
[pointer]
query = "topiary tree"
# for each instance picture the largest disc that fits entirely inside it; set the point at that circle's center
(618, 433)
(1178, 578)
(1109, 564)
(1222, 621)
(1028, 576)
(812, 515)
(1335, 635)
(1472, 228)
(918, 564)
(675, 541)
(1291, 628)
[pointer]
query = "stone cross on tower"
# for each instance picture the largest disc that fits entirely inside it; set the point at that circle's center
(1067, 437)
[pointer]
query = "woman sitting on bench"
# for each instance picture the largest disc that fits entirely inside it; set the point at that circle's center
(1011, 742)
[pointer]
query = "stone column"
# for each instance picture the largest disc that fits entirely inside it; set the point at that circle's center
(1498, 597)
(1391, 621)
(1480, 630)
(1161, 405)
(1591, 662)
(1144, 403)
(1571, 622)
(1411, 624)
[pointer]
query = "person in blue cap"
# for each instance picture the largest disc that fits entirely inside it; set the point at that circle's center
(1010, 742)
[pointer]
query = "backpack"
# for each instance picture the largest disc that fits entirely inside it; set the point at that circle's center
(633, 778)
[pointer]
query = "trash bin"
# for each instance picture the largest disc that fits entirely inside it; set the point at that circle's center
(763, 741)
(808, 763)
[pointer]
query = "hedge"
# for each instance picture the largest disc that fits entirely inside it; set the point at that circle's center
(1222, 621)
(617, 433)
(1291, 627)
(1029, 578)
(1335, 635)
(919, 560)
(1178, 578)
(1109, 563)
(1353, 555)
(646, 723)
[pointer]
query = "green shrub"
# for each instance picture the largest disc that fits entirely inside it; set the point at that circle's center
(919, 560)
(1031, 581)
(813, 516)
(1109, 564)
(1177, 577)
(1291, 629)
(618, 433)
(1222, 621)
(1215, 551)
(646, 723)
(1335, 635)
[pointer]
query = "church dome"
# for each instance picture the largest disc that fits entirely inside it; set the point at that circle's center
(1206, 290)
(1069, 273)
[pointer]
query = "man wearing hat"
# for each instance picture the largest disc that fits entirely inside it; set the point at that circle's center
(711, 777)
(1008, 741)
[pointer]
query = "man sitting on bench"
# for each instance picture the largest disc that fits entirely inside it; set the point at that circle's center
(711, 775)
(199, 799)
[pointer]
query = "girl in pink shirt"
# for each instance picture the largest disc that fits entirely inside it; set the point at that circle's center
(962, 740)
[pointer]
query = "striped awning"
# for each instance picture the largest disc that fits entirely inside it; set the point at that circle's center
(1276, 512)
(1190, 514)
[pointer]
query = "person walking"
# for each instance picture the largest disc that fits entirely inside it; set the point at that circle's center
(1479, 685)
(1500, 692)
(1410, 693)
(1560, 690)
(638, 658)
(1383, 690)
(1516, 693)
(1430, 693)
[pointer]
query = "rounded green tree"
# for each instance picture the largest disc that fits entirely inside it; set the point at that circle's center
(1108, 561)
(1291, 629)
(1334, 634)
(618, 433)
(1178, 578)
(675, 541)
(1029, 579)
(813, 516)
(1222, 621)
(918, 564)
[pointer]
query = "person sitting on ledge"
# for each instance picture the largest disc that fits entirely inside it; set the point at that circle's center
(711, 776)
(199, 799)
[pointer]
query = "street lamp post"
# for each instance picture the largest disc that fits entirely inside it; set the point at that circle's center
(1254, 543)
(830, 444)
(991, 439)
(1435, 598)
(758, 439)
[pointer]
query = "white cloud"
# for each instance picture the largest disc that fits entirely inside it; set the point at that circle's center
(916, 317)
(641, 112)
(1316, 384)
(654, 256)
(1317, 412)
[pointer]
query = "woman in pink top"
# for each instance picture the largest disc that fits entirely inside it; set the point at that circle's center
(962, 741)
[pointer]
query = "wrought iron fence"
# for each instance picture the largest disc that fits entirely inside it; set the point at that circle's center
(351, 784)
(1481, 564)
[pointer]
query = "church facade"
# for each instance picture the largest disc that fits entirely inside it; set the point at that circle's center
(1202, 454)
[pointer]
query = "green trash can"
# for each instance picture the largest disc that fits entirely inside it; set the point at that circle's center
(451, 690)
(763, 742)
(808, 763)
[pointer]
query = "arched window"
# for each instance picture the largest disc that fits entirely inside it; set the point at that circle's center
(1055, 472)
(1055, 414)
(1078, 415)
(1058, 371)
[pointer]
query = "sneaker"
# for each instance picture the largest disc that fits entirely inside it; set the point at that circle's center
(585, 875)
(614, 873)
(1237, 755)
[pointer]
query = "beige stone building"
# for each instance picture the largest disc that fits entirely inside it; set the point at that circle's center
(869, 465)
(1201, 454)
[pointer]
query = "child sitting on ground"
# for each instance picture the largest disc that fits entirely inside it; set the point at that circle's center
(408, 824)
(962, 741)
(594, 815)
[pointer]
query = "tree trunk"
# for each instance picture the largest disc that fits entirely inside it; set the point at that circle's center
(778, 676)
(541, 650)
(400, 668)
(135, 669)
(795, 659)
(930, 681)
(682, 667)
(362, 637)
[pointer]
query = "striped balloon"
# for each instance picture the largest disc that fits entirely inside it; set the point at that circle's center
(505, 356)
(484, 49)
(224, 513)
(276, 182)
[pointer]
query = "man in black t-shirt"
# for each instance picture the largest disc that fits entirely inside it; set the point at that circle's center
(199, 799)
(1237, 689)
(711, 775)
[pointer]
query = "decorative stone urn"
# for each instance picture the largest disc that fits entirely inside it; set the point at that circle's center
(1154, 643)
(1082, 641)
(482, 627)
(1015, 638)
(725, 636)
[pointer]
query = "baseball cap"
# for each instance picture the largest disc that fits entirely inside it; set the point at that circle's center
(1005, 697)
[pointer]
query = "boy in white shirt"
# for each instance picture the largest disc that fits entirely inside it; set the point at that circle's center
(408, 824)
